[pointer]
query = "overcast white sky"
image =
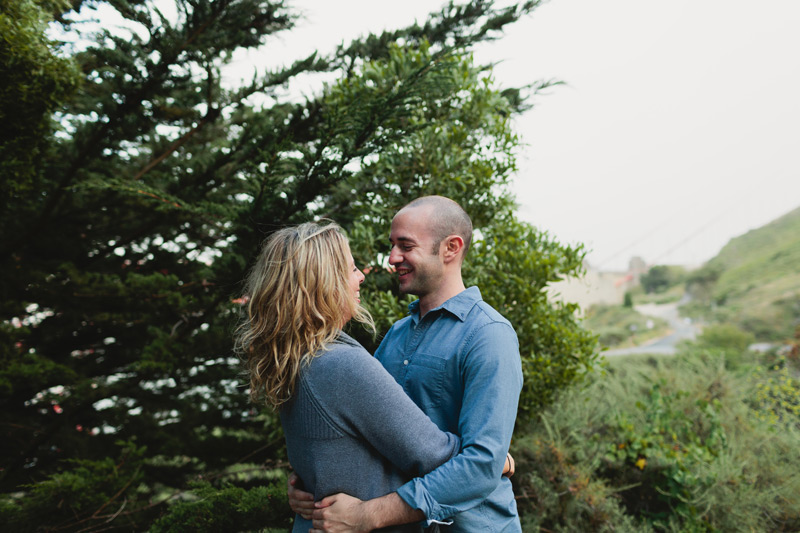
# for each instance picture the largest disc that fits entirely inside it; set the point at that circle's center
(678, 130)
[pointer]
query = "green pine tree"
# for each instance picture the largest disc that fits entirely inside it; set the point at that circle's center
(121, 268)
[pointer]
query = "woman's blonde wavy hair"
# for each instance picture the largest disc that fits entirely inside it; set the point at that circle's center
(299, 298)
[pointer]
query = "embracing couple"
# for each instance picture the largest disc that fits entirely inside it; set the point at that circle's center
(416, 436)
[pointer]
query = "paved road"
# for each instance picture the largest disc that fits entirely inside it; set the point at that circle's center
(680, 329)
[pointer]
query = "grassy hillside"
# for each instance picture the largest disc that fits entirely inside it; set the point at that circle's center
(755, 280)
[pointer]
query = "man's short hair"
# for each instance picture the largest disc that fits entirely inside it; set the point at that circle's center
(447, 218)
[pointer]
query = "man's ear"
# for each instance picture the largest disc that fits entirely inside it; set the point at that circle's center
(453, 246)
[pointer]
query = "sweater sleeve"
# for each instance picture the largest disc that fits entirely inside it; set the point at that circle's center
(366, 402)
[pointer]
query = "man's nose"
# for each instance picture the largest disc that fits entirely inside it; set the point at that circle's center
(394, 256)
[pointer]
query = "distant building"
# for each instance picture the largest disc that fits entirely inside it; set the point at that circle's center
(637, 267)
(597, 287)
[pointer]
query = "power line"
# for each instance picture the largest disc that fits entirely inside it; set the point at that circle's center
(744, 195)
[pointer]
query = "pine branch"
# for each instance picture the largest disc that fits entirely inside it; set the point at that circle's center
(212, 115)
(94, 144)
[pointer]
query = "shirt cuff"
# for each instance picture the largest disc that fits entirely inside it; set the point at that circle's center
(417, 497)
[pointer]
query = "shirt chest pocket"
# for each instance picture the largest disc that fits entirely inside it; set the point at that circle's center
(426, 381)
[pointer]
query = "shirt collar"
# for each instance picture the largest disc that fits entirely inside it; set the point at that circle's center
(459, 305)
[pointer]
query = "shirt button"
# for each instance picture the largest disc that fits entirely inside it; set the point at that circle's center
(405, 362)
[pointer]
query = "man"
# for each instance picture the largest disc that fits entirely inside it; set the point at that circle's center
(458, 359)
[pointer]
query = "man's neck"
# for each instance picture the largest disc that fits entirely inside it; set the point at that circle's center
(434, 300)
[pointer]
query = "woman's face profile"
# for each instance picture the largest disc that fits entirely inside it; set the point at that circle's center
(355, 278)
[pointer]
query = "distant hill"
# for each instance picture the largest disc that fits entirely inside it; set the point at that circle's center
(755, 279)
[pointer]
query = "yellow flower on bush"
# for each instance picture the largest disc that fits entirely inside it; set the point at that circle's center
(641, 463)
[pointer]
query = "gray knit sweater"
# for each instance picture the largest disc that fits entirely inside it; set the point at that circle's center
(351, 428)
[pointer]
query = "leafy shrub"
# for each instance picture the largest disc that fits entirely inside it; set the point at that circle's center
(82, 495)
(628, 299)
(555, 493)
(656, 450)
(777, 395)
(230, 508)
(725, 337)
(661, 277)
(663, 443)
(700, 283)
(613, 336)
(726, 342)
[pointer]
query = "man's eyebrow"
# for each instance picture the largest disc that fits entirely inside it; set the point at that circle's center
(402, 239)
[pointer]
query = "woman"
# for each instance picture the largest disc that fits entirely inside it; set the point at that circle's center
(349, 426)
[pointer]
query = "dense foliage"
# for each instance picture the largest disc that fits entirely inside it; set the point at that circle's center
(35, 81)
(659, 278)
(703, 441)
(122, 257)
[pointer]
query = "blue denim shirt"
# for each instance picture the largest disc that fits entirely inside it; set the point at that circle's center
(460, 363)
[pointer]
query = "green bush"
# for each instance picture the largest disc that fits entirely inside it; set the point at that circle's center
(230, 508)
(661, 277)
(656, 450)
(777, 394)
(726, 337)
(554, 493)
(700, 283)
(84, 492)
(628, 300)
(667, 444)
(87, 495)
(613, 336)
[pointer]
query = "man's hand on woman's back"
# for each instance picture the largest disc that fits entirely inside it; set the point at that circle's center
(301, 502)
